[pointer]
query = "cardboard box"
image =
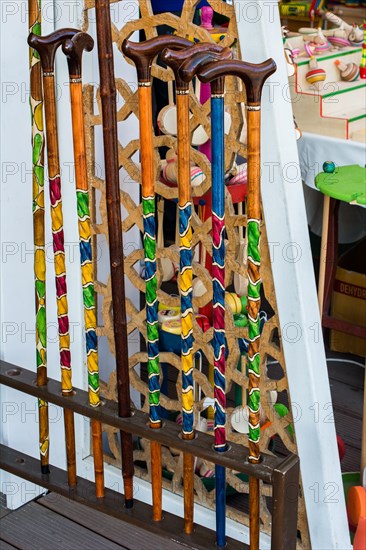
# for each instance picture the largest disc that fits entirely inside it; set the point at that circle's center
(349, 299)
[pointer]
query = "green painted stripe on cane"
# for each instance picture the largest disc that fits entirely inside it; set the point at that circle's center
(149, 247)
(82, 204)
(254, 328)
(151, 289)
(253, 231)
(148, 206)
(254, 434)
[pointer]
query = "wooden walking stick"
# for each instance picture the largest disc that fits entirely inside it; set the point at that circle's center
(36, 104)
(110, 141)
(254, 77)
(73, 49)
(187, 70)
(174, 59)
(143, 55)
(46, 47)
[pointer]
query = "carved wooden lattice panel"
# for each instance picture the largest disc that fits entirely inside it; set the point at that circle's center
(271, 344)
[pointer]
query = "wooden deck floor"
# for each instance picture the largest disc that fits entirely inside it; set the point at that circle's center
(53, 522)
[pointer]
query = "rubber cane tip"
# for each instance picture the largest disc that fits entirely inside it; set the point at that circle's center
(129, 503)
(45, 469)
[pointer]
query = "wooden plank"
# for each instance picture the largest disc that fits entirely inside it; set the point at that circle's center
(170, 528)
(5, 546)
(235, 458)
(110, 528)
(44, 529)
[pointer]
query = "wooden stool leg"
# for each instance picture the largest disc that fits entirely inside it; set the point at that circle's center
(323, 253)
(331, 255)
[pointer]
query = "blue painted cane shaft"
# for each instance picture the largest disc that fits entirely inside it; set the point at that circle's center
(220, 476)
(218, 276)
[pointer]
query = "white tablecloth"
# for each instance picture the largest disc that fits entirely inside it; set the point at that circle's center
(314, 149)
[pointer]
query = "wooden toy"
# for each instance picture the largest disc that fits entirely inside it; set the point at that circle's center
(321, 43)
(315, 76)
(356, 36)
(363, 59)
(142, 55)
(350, 30)
(349, 72)
(73, 49)
(338, 41)
(36, 104)
(46, 47)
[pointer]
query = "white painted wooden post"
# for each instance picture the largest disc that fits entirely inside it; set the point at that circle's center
(260, 38)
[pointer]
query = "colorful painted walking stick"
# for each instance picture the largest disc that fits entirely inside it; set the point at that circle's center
(174, 59)
(46, 47)
(253, 77)
(143, 55)
(194, 65)
(110, 141)
(73, 49)
(36, 104)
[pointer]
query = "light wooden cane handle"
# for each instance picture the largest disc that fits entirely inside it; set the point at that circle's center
(200, 58)
(73, 49)
(253, 75)
(174, 59)
(143, 53)
(47, 46)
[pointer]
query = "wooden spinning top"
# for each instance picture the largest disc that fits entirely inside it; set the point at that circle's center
(315, 76)
(349, 72)
(321, 43)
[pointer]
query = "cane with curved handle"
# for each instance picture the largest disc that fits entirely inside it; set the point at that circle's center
(108, 95)
(38, 143)
(253, 77)
(143, 54)
(193, 66)
(46, 46)
(203, 53)
(73, 49)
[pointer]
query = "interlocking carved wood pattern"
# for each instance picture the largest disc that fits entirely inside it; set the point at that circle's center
(271, 344)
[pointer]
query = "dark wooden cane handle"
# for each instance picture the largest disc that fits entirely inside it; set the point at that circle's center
(47, 46)
(143, 53)
(253, 75)
(195, 63)
(73, 49)
(202, 53)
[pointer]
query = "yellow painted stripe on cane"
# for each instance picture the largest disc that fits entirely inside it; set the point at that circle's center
(66, 384)
(186, 280)
(94, 399)
(62, 305)
(40, 265)
(59, 264)
(87, 273)
(65, 341)
(187, 400)
(93, 361)
(185, 240)
(57, 217)
(84, 229)
(187, 324)
(90, 319)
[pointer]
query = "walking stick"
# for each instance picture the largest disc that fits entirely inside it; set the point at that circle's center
(46, 47)
(36, 104)
(174, 59)
(110, 141)
(73, 49)
(254, 77)
(190, 67)
(143, 55)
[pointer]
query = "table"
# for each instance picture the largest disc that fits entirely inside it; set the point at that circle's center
(313, 151)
